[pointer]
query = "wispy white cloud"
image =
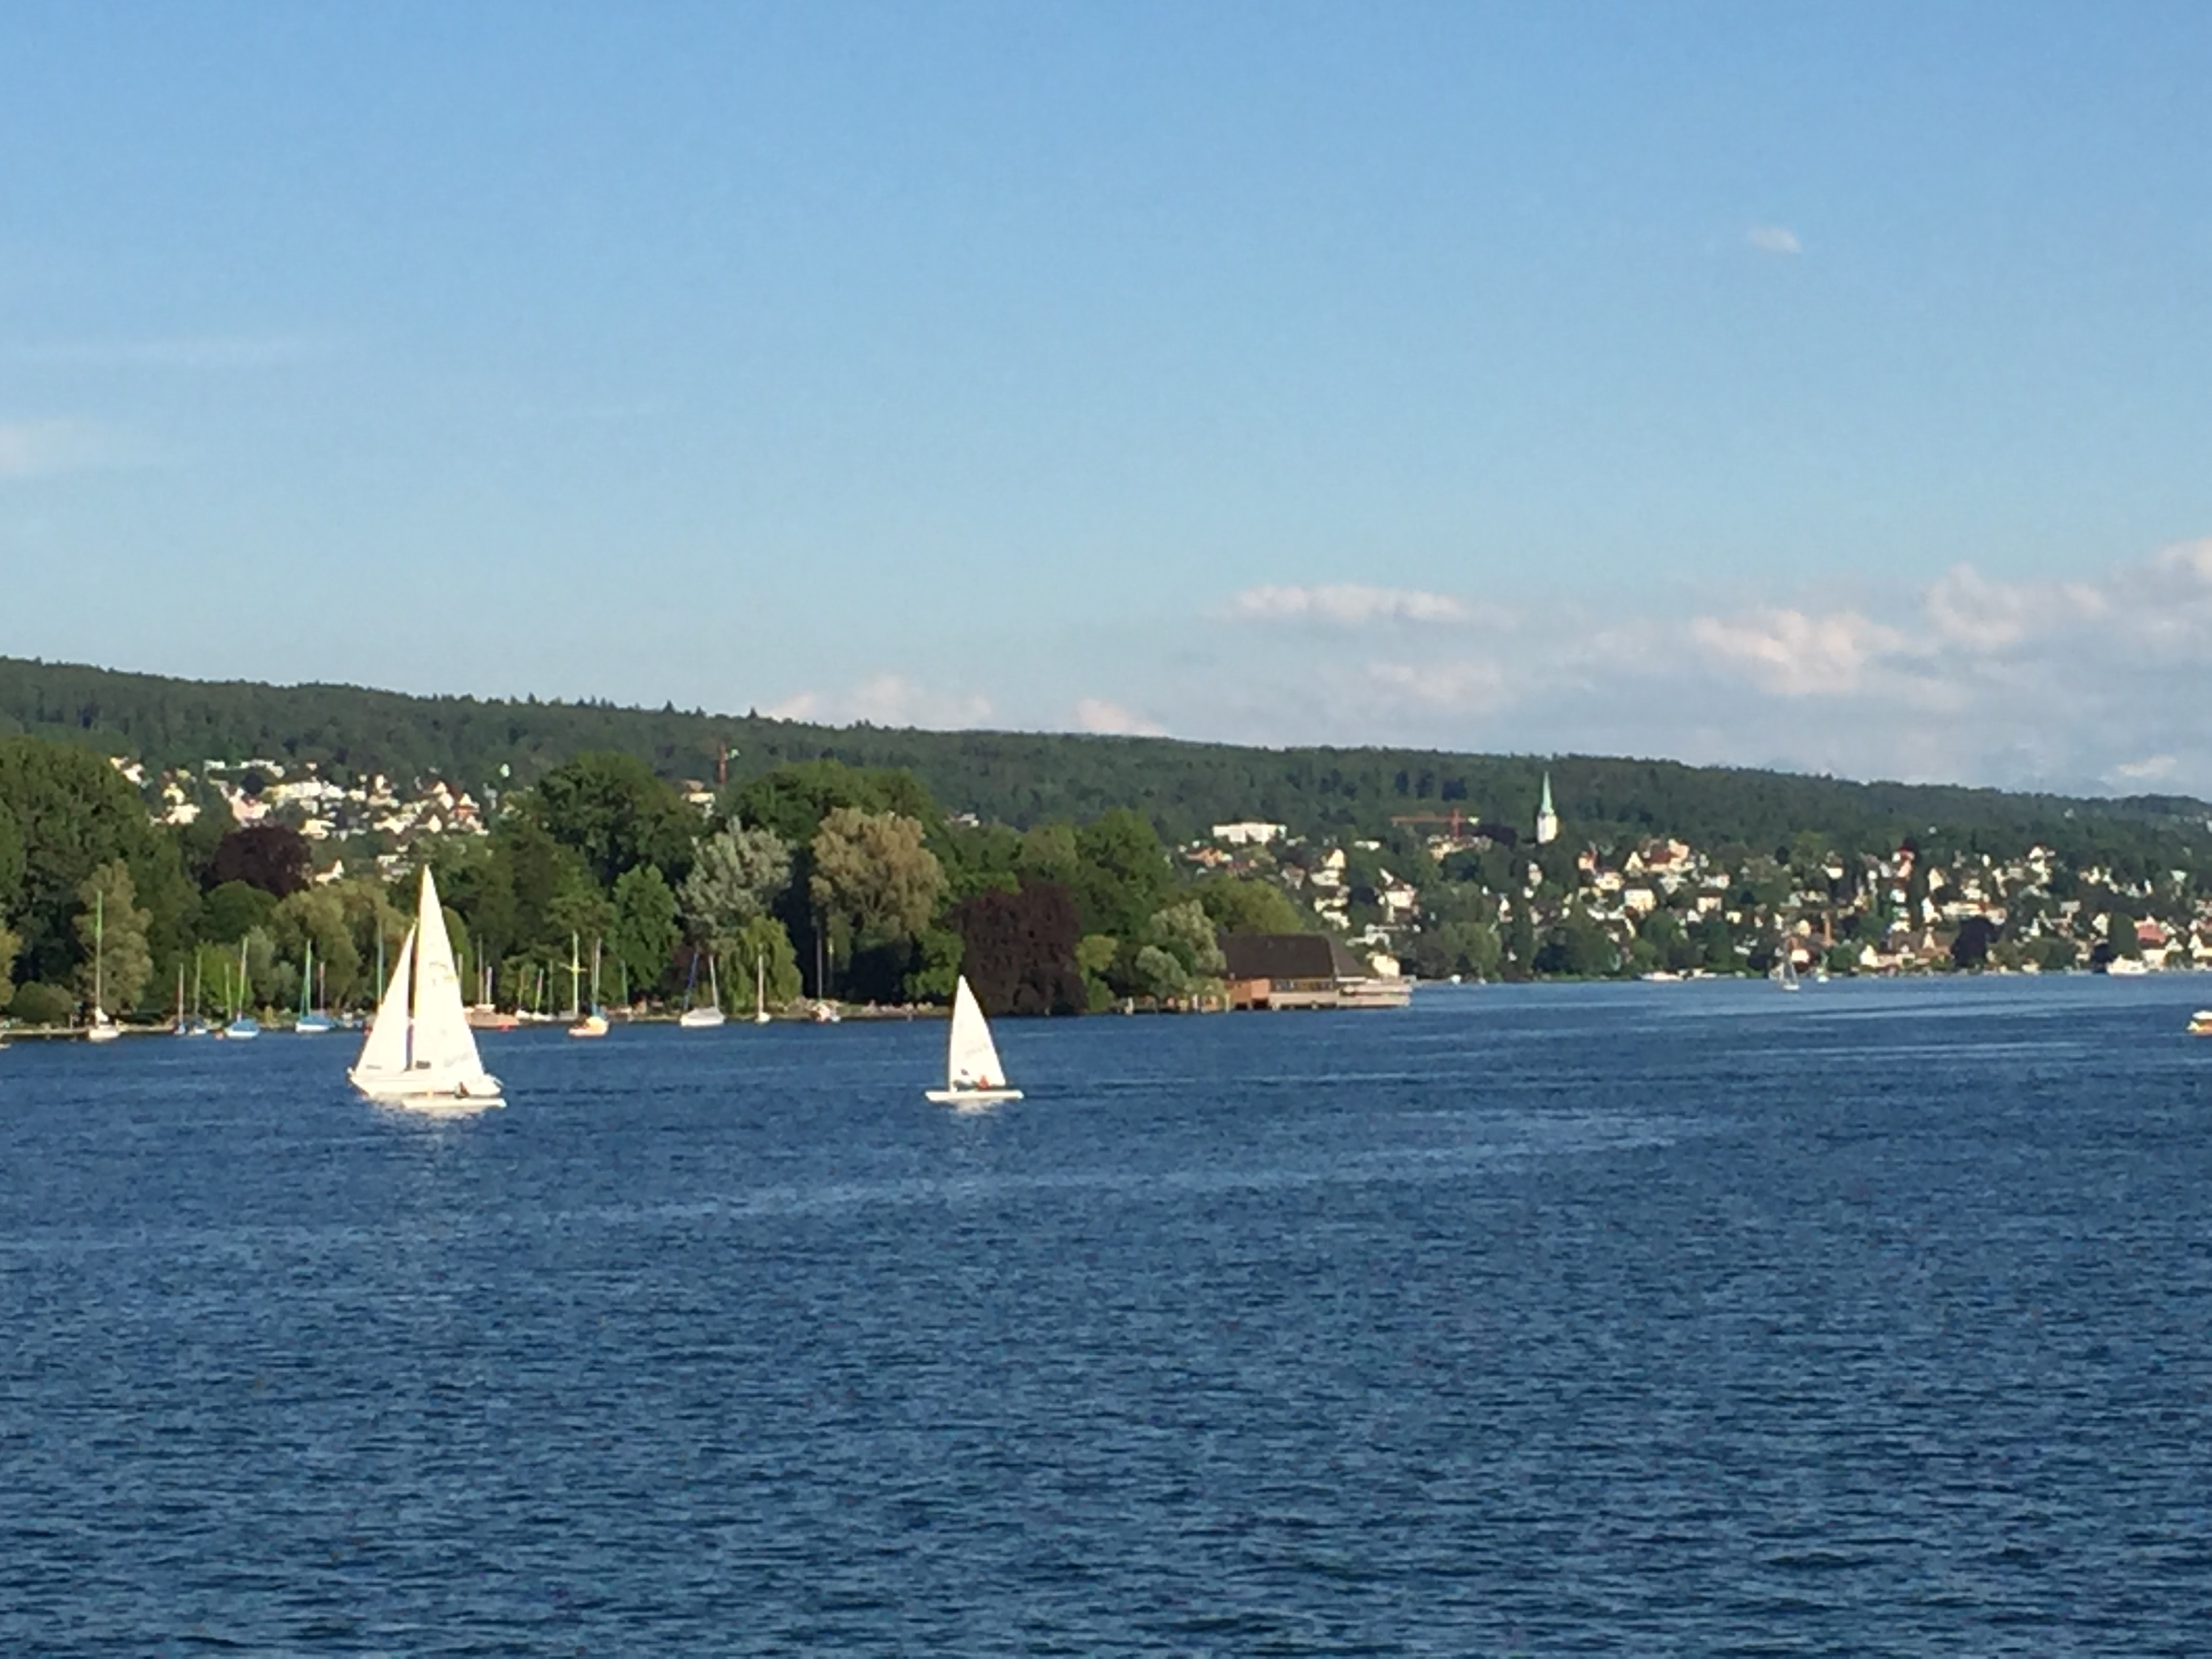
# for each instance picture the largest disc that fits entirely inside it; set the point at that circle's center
(1797, 654)
(1111, 719)
(1774, 240)
(1974, 612)
(2149, 770)
(1462, 685)
(1349, 605)
(32, 449)
(2087, 683)
(886, 699)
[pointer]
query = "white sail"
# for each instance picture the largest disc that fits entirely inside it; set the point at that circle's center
(421, 1052)
(383, 1054)
(444, 1045)
(972, 1059)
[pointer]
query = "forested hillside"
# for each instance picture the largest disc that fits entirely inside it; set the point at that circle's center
(1024, 779)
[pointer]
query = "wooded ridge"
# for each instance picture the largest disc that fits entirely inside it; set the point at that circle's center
(1023, 779)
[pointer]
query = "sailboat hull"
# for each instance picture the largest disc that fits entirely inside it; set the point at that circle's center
(970, 1097)
(472, 1095)
(700, 1019)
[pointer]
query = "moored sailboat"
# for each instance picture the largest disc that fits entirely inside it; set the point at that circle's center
(593, 1023)
(973, 1075)
(1785, 966)
(312, 1021)
(708, 1015)
(420, 1054)
(102, 1029)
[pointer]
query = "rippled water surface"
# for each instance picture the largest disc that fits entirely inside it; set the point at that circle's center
(1616, 1319)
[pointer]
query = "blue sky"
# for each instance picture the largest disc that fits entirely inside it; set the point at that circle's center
(1816, 387)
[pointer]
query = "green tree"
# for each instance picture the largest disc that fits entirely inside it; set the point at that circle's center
(645, 930)
(793, 800)
(317, 915)
(936, 967)
(1186, 932)
(1157, 974)
(1579, 948)
(1049, 852)
(1521, 934)
(9, 945)
(761, 943)
(71, 812)
(11, 862)
(736, 875)
(614, 812)
(1470, 949)
(111, 929)
(373, 922)
(1095, 954)
(579, 916)
(233, 910)
(1716, 944)
(1242, 904)
(1122, 874)
(872, 876)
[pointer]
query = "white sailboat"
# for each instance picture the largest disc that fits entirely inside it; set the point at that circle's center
(584, 1022)
(313, 1021)
(973, 1076)
(102, 1029)
(420, 1053)
(1785, 967)
(708, 1015)
(760, 990)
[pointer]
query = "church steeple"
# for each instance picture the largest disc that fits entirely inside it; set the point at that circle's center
(1547, 820)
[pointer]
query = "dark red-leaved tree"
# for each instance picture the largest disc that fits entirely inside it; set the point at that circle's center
(1018, 950)
(270, 856)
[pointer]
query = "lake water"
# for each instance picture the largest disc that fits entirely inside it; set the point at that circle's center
(1609, 1319)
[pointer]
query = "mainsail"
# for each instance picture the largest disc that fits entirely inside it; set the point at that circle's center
(444, 1045)
(972, 1062)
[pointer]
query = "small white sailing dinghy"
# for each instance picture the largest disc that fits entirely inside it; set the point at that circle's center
(973, 1076)
(420, 1054)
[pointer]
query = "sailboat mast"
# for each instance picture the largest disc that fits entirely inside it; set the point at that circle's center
(99, 951)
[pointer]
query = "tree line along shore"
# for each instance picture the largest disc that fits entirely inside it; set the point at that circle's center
(829, 879)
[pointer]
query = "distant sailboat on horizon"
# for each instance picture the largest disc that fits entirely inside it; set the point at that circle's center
(973, 1075)
(420, 1054)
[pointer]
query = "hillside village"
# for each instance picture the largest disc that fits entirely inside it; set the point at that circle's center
(1461, 896)
(1664, 909)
